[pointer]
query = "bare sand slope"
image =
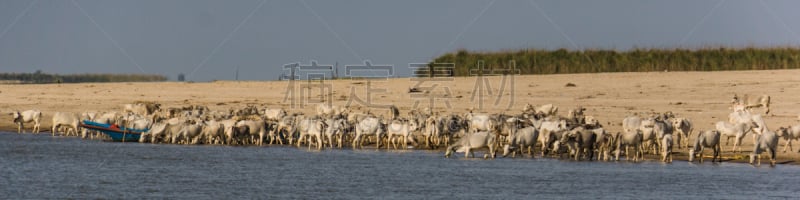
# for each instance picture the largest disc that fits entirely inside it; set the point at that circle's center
(704, 97)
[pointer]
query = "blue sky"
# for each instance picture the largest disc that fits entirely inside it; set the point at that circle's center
(209, 39)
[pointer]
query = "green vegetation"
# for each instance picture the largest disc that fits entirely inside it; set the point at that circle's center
(562, 61)
(39, 77)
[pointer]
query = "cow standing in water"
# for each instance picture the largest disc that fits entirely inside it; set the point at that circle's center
(28, 116)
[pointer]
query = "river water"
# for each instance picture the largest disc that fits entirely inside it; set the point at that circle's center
(41, 166)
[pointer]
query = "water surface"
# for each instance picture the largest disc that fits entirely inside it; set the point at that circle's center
(41, 166)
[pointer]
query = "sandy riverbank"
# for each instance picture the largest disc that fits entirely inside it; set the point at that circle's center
(701, 96)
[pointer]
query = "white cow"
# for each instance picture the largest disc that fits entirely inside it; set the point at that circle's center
(368, 126)
(440, 129)
(666, 148)
(550, 132)
(750, 102)
(149, 135)
(528, 108)
(454, 126)
(540, 111)
(325, 110)
(213, 132)
(631, 124)
(65, 119)
(737, 130)
(230, 131)
(190, 134)
(758, 123)
(433, 127)
(789, 134)
(519, 138)
(141, 123)
(88, 115)
(167, 131)
(683, 128)
(647, 128)
(738, 108)
(311, 127)
(108, 118)
(336, 130)
(402, 129)
(591, 120)
(257, 130)
(576, 115)
(274, 114)
(579, 141)
(480, 122)
(140, 109)
(629, 140)
(661, 129)
(547, 110)
(472, 141)
(706, 139)
(105, 118)
(740, 117)
(286, 129)
(27, 116)
(605, 143)
(767, 141)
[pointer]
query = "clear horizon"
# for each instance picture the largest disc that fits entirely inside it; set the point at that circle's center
(208, 40)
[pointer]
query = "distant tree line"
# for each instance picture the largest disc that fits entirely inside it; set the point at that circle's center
(533, 61)
(39, 77)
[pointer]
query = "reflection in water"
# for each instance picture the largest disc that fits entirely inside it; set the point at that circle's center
(39, 166)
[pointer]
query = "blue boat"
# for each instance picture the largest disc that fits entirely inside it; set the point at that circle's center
(120, 134)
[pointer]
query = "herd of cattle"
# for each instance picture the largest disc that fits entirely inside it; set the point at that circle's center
(575, 135)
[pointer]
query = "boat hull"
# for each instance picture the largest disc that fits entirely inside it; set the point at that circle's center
(116, 134)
